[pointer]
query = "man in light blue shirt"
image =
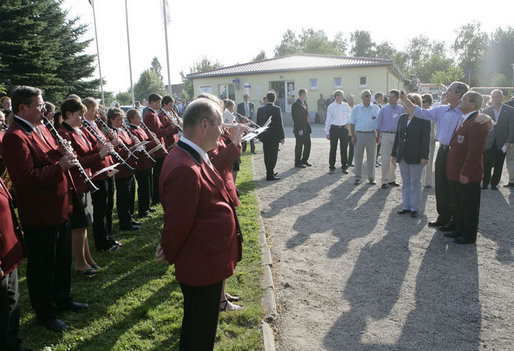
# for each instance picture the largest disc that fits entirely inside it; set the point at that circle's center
(363, 131)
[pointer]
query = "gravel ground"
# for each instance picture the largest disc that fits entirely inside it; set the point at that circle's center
(351, 274)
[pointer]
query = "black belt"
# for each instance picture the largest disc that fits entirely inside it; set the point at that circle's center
(444, 147)
(333, 125)
(389, 132)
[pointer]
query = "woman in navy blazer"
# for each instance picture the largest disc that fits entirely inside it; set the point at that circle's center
(410, 150)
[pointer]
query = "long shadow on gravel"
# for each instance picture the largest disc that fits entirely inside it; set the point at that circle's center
(447, 313)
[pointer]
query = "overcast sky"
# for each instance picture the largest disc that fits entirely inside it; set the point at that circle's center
(232, 32)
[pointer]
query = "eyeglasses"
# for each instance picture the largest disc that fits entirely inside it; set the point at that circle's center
(426, 102)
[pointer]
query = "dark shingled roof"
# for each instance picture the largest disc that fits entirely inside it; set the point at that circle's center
(300, 62)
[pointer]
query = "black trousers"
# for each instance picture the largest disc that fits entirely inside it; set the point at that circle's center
(466, 208)
(9, 312)
(103, 203)
(350, 152)
(201, 310)
(302, 149)
(493, 158)
(144, 191)
(48, 268)
(156, 173)
(338, 135)
(443, 198)
(123, 195)
(270, 150)
(252, 145)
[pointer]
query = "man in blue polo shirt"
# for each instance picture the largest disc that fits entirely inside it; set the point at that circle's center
(363, 131)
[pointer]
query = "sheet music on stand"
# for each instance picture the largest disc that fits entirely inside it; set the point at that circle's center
(111, 171)
(254, 133)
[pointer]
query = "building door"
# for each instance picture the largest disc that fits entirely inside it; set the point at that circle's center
(285, 94)
(291, 97)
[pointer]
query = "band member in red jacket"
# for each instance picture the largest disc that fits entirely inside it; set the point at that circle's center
(11, 255)
(124, 178)
(152, 121)
(166, 115)
(103, 198)
(201, 234)
(465, 168)
(90, 155)
(144, 166)
(44, 195)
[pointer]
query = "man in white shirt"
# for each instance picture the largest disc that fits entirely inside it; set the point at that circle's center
(336, 130)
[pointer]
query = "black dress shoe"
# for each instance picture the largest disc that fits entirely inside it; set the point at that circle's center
(452, 234)
(437, 223)
(74, 306)
(134, 222)
(345, 171)
(483, 187)
(307, 164)
(356, 182)
(372, 182)
(394, 184)
(448, 227)
(145, 215)
(464, 240)
(55, 325)
(401, 212)
(351, 165)
(384, 186)
(300, 165)
(131, 228)
(494, 187)
(414, 214)
(272, 178)
(275, 174)
(152, 210)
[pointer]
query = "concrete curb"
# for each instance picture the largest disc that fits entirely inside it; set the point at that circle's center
(268, 290)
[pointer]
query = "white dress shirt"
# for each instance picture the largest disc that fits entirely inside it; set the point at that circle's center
(337, 114)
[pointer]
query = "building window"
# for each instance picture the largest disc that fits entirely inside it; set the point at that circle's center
(338, 83)
(313, 84)
(363, 82)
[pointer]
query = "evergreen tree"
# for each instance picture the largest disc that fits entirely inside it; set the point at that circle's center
(41, 48)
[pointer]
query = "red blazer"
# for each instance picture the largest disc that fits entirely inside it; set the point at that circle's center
(108, 160)
(222, 159)
(201, 233)
(87, 153)
(171, 139)
(153, 123)
(143, 162)
(44, 193)
(466, 150)
(11, 248)
(123, 171)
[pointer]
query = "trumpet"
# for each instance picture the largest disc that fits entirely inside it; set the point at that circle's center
(103, 141)
(113, 136)
(231, 125)
(64, 144)
(255, 125)
(136, 141)
(154, 138)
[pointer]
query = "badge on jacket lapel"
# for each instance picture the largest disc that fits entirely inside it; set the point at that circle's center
(460, 139)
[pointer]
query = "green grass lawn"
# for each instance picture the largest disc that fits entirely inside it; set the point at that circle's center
(136, 303)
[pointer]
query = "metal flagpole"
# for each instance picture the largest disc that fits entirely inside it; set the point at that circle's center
(130, 62)
(98, 53)
(166, 38)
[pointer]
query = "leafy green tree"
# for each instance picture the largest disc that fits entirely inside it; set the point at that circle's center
(149, 82)
(499, 80)
(124, 98)
(362, 45)
(41, 48)
(310, 41)
(454, 73)
(204, 65)
(156, 67)
(430, 64)
(260, 56)
(385, 49)
(469, 46)
(499, 56)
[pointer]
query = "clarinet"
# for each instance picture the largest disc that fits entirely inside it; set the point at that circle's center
(136, 141)
(64, 144)
(154, 138)
(108, 129)
(104, 142)
(176, 117)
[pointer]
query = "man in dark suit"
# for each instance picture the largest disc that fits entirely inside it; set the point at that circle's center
(464, 169)
(302, 130)
(201, 233)
(271, 137)
(44, 195)
(246, 109)
(499, 139)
